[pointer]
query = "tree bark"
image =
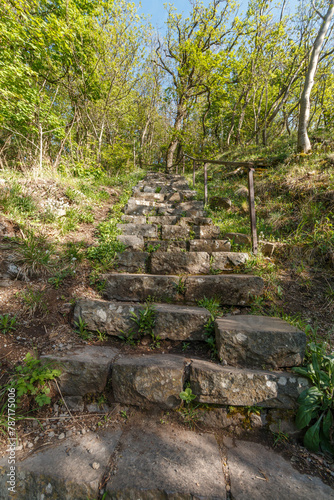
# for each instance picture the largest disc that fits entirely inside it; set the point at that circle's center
(304, 144)
(180, 114)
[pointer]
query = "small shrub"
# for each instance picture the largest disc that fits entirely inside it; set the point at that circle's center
(316, 404)
(31, 379)
(35, 254)
(33, 301)
(7, 324)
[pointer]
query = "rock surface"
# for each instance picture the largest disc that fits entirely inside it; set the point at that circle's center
(180, 263)
(258, 473)
(84, 370)
(148, 379)
(216, 384)
(161, 463)
(257, 341)
(64, 471)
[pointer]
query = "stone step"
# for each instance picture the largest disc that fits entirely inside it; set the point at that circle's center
(144, 230)
(163, 220)
(134, 219)
(132, 261)
(231, 289)
(238, 238)
(180, 263)
(171, 321)
(208, 232)
(259, 341)
(175, 232)
(166, 246)
(226, 385)
(131, 242)
(155, 197)
(209, 246)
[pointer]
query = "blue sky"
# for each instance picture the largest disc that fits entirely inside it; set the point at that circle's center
(156, 9)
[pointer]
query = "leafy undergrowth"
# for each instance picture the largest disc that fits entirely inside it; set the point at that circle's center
(294, 198)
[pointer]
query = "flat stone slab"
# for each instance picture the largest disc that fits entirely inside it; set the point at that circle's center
(163, 220)
(139, 287)
(160, 463)
(210, 246)
(223, 261)
(208, 232)
(85, 370)
(132, 261)
(134, 219)
(227, 385)
(238, 238)
(197, 221)
(180, 263)
(63, 471)
(144, 230)
(144, 380)
(132, 242)
(259, 341)
(149, 196)
(232, 289)
(174, 232)
(259, 473)
(171, 321)
(167, 246)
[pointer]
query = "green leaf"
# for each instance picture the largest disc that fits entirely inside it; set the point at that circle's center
(304, 415)
(327, 424)
(312, 437)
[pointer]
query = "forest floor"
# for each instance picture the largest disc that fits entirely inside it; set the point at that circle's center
(49, 223)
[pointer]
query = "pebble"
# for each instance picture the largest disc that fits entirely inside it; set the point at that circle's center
(51, 434)
(69, 433)
(96, 465)
(30, 445)
(61, 436)
(83, 431)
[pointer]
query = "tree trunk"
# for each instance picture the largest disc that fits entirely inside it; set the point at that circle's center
(175, 139)
(304, 145)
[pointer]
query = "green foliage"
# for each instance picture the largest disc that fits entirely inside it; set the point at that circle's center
(33, 301)
(316, 404)
(31, 378)
(7, 324)
(15, 203)
(187, 395)
(213, 306)
(145, 322)
(59, 277)
(181, 286)
(152, 248)
(36, 254)
(81, 329)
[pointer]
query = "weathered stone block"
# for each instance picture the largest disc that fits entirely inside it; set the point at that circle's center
(131, 242)
(133, 209)
(174, 232)
(258, 341)
(180, 263)
(167, 246)
(162, 462)
(197, 221)
(238, 238)
(131, 262)
(149, 196)
(171, 322)
(232, 289)
(84, 370)
(223, 261)
(219, 202)
(175, 197)
(134, 219)
(148, 379)
(207, 232)
(215, 384)
(63, 471)
(144, 230)
(138, 287)
(210, 246)
(163, 220)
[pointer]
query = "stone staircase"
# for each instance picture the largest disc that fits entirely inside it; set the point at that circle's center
(174, 257)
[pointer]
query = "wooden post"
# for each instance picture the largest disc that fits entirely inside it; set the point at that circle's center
(176, 169)
(205, 183)
(194, 168)
(184, 162)
(252, 209)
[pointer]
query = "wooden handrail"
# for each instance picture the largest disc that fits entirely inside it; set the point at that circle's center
(251, 196)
